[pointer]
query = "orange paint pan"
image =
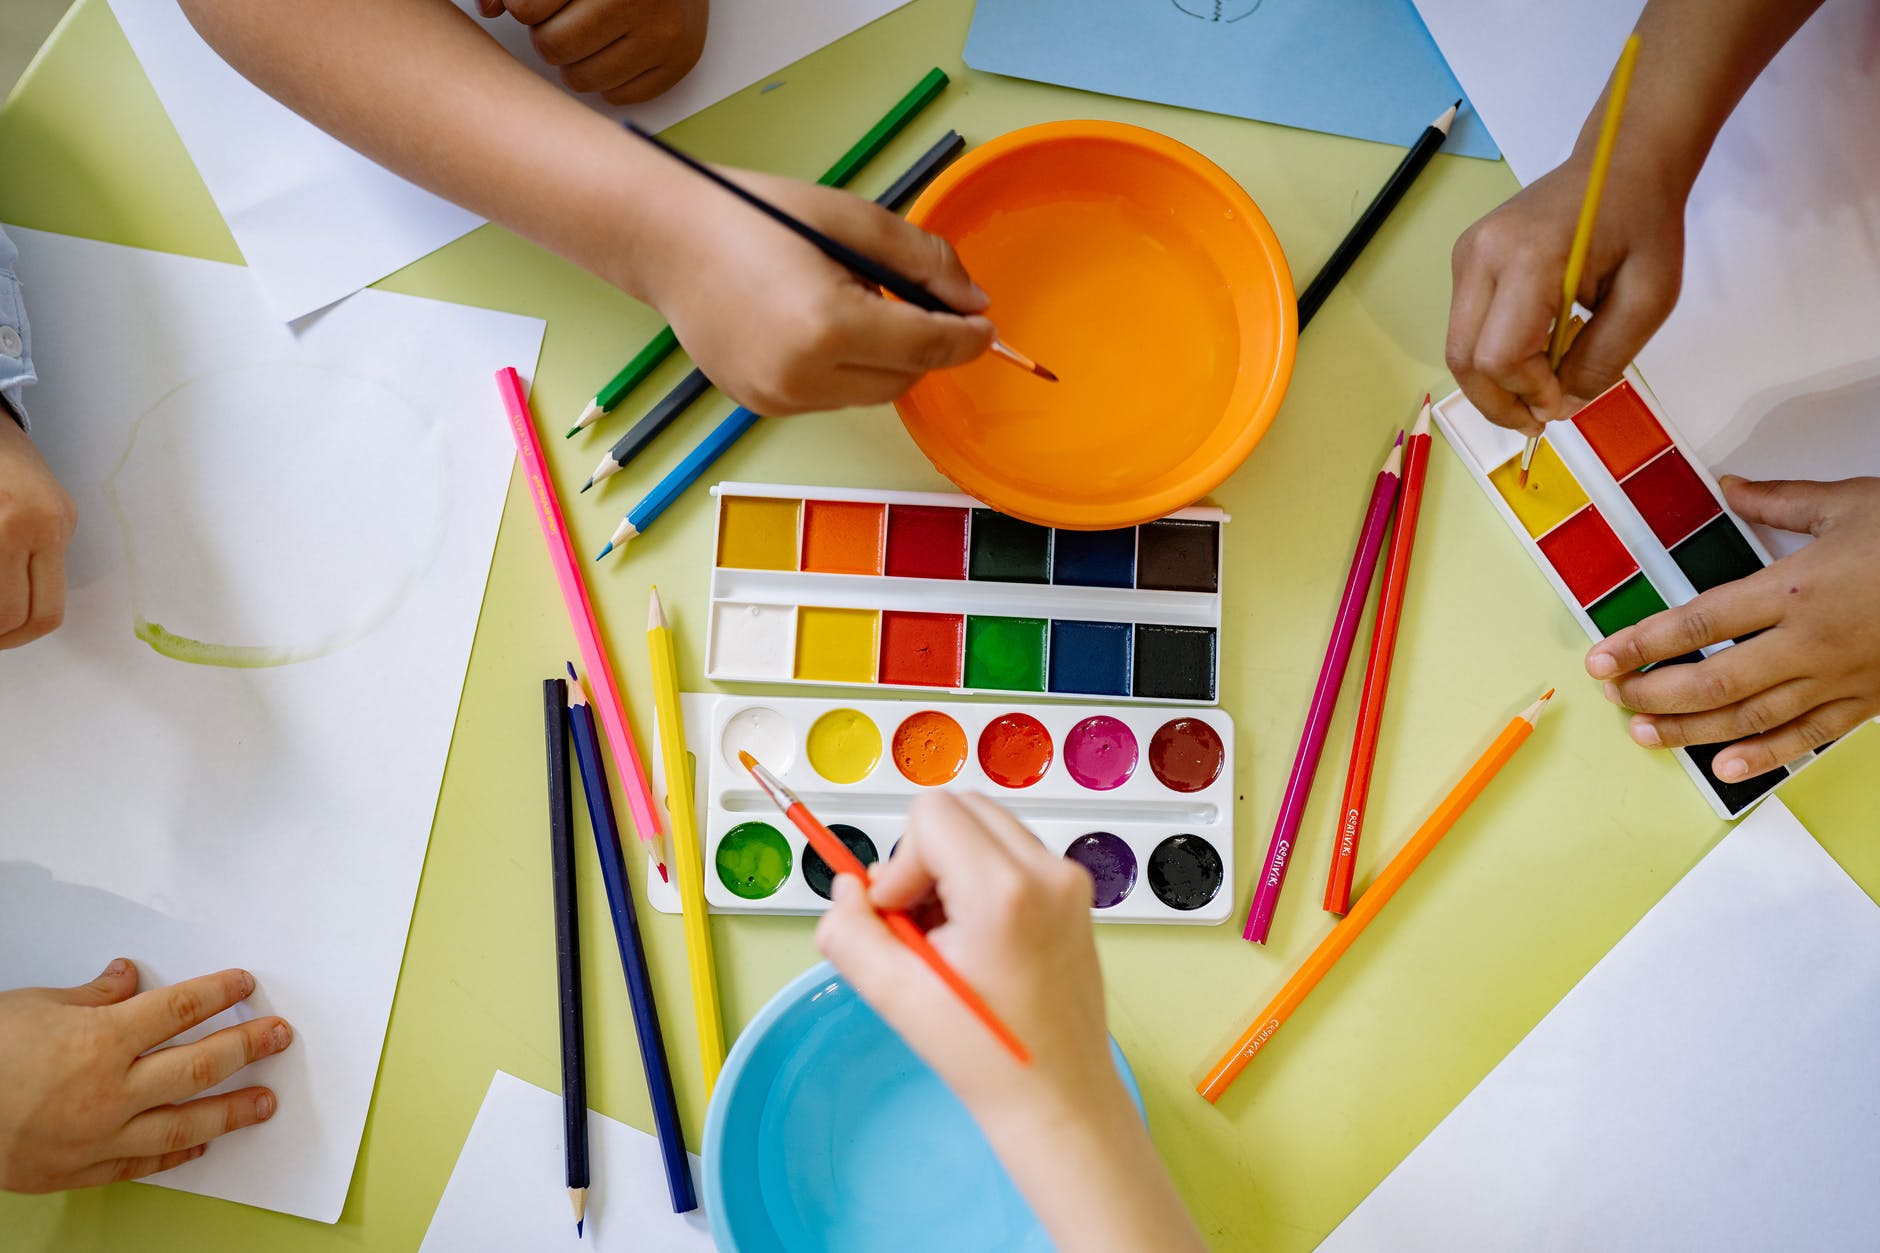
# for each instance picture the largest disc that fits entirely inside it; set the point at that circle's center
(1150, 282)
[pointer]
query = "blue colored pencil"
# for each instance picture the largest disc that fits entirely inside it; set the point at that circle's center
(587, 750)
(682, 476)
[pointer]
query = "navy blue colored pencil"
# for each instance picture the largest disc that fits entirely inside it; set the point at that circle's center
(587, 750)
(574, 1136)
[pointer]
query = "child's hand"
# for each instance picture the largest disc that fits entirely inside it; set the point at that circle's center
(1507, 272)
(36, 522)
(83, 1098)
(1813, 674)
(1014, 919)
(781, 328)
(627, 50)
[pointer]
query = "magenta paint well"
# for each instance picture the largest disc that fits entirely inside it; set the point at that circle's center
(1101, 753)
(1112, 866)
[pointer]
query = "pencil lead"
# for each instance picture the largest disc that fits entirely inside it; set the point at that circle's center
(663, 876)
(579, 1223)
(1548, 695)
(587, 484)
(1043, 373)
(571, 674)
(603, 552)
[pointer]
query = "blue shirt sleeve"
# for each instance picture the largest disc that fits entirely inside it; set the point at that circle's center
(16, 337)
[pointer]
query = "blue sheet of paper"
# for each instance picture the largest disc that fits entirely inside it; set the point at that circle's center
(1365, 68)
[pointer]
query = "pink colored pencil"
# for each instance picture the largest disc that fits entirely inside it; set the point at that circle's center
(1331, 677)
(587, 632)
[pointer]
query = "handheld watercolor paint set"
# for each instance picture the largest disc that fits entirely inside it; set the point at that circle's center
(926, 590)
(1624, 521)
(1142, 797)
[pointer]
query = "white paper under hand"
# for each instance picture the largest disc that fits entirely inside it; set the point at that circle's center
(1709, 1085)
(230, 753)
(509, 1190)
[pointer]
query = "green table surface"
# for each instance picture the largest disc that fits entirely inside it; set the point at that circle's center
(1580, 836)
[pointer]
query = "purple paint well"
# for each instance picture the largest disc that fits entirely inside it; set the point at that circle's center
(1101, 753)
(1111, 863)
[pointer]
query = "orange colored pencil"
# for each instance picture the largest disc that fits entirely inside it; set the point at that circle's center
(1333, 946)
(1416, 465)
(842, 861)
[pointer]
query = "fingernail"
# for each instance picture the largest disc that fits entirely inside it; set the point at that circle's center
(248, 982)
(264, 1106)
(198, 1151)
(1645, 734)
(844, 887)
(1730, 769)
(1611, 692)
(117, 969)
(1602, 665)
(979, 294)
(1731, 480)
(280, 1037)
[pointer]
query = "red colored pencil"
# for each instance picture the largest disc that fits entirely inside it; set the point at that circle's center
(1377, 671)
(842, 861)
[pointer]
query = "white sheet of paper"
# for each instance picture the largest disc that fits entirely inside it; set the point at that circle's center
(326, 497)
(1709, 1085)
(316, 221)
(509, 1190)
(1771, 362)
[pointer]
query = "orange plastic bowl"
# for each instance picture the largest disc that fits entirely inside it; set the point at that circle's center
(1140, 273)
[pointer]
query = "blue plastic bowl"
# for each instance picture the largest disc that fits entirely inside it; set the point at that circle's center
(827, 1133)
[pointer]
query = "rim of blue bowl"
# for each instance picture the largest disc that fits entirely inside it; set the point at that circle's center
(760, 1025)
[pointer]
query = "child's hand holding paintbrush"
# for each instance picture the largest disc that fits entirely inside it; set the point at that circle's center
(1014, 920)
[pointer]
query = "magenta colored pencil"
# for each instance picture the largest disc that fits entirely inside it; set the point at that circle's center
(1331, 677)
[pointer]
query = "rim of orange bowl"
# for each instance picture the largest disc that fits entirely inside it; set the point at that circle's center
(1271, 387)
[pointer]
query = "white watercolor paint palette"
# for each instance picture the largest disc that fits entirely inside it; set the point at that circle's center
(1142, 797)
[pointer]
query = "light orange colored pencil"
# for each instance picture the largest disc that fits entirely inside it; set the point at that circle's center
(1333, 946)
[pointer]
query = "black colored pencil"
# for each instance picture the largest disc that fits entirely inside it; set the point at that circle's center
(657, 419)
(1386, 199)
(862, 266)
(567, 948)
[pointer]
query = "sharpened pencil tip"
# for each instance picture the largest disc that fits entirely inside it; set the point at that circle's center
(1548, 695)
(571, 673)
(663, 876)
(572, 432)
(579, 1224)
(603, 552)
(1043, 373)
(587, 485)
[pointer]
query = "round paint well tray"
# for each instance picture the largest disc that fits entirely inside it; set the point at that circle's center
(826, 1134)
(1142, 275)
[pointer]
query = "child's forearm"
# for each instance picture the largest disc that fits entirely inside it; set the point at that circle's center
(415, 85)
(1696, 60)
(1092, 1175)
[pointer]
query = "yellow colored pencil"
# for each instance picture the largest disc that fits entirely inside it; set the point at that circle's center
(685, 849)
(1583, 232)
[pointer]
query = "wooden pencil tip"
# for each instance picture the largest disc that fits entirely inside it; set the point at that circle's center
(663, 876)
(1422, 426)
(655, 611)
(1548, 694)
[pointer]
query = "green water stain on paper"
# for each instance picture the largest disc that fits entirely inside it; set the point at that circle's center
(228, 656)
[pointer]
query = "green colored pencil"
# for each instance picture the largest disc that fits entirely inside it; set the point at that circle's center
(892, 123)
